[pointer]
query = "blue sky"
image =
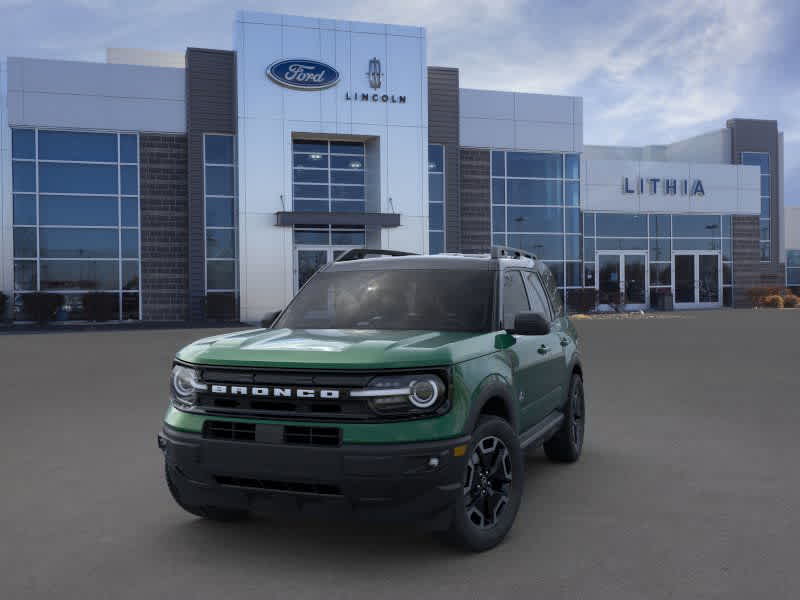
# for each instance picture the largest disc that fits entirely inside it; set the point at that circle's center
(649, 72)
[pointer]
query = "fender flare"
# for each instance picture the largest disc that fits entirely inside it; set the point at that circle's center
(493, 386)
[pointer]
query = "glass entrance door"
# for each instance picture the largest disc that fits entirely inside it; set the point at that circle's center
(622, 280)
(697, 279)
(307, 261)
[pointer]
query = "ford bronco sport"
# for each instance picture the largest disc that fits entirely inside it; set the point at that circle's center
(396, 385)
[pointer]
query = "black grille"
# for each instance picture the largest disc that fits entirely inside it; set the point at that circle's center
(229, 430)
(280, 486)
(312, 436)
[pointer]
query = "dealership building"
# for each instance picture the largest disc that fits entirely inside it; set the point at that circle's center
(212, 183)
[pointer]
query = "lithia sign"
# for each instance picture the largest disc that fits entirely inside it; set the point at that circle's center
(306, 74)
(667, 186)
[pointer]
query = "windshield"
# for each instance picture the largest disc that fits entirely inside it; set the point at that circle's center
(435, 300)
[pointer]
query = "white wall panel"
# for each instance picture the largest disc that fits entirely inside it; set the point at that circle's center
(486, 133)
(540, 135)
(486, 104)
(542, 107)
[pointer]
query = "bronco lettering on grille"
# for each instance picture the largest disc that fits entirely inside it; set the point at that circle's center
(275, 392)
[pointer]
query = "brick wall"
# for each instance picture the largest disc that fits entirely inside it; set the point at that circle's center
(476, 216)
(165, 232)
(746, 253)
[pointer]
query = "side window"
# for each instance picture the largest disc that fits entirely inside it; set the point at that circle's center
(537, 295)
(515, 299)
(553, 292)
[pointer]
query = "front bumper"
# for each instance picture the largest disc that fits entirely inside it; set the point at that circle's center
(394, 481)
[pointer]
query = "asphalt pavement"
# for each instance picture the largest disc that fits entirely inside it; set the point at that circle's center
(688, 486)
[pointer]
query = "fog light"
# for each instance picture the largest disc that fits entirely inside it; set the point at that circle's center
(433, 462)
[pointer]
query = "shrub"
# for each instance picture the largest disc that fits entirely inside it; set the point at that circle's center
(790, 301)
(773, 301)
(3, 306)
(41, 306)
(99, 306)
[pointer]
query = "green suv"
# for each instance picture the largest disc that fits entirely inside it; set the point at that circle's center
(393, 385)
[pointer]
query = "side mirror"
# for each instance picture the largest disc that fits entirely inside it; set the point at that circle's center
(530, 323)
(269, 319)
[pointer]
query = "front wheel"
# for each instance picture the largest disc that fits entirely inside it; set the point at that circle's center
(567, 443)
(492, 490)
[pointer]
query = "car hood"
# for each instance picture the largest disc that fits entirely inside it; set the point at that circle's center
(336, 348)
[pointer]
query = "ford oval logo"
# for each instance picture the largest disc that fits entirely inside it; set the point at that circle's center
(303, 74)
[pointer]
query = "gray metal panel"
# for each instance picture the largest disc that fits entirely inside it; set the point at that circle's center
(755, 135)
(210, 108)
(476, 216)
(287, 219)
(443, 128)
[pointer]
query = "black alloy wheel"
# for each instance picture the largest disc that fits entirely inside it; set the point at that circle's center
(487, 485)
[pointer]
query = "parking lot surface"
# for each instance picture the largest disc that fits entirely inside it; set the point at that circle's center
(688, 487)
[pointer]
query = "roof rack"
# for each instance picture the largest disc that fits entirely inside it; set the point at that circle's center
(508, 252)
(359, 253)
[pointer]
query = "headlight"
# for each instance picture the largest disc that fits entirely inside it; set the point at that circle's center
(404, 394)
(184, 384)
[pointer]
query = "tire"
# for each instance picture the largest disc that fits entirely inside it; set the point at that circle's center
(484, 514)
(567, 443)
(212, 513)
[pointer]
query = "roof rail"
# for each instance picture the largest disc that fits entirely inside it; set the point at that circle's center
(508, 252)
(359, 253)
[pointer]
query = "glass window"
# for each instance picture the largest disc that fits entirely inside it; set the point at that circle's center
(24, 209)
(344, 162)
(219, 212)
(765, 207)
(552, 278)
(55, 242)
(573, 166)
(763, 229)
(727, 273)
(310, 191)
(660, 226)
(588, 224)
(436, 216)
(129, 176)
(353, 177)
(128, 148)
(347, 192)
(130, 275)
(219, 181)
(25, 275)
(79, 275)
(765, 191)
(545, 247)
(572, 274)
(311, 175)
(348, 238)
(78, 146)
(621, 243)
(588, 249)
(312, 146)
(311, 205)
(499, 239)
(528, 191)
(727, 226)
(498, 163)
(25, 242)
(695, 244)
(537, 295)
(530, 164)
(572, 245)
(221, 275)
(588, 274)
(347, 206)
(765, 251)
(23, 143)
(621, 225)
(318, 161)
(498, 218)
(759, 159)
(436, 242)
(219, 149)
(321, 237)
(66, 178)
(220, 243)
(498, 191)
(436, 187)
(347, 148)
(515, 299)
(535, 219)
(77, 210)
(130, 307)
(793, 258)
(130, 212)
(23, 176)
(660, 249)
(435, 158)
(130, 243)
(696, 225)
(572, 220)
(572, 191)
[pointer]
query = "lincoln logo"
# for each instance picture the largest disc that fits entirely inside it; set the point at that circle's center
(301, 74)
(374, 74)
(274, 392)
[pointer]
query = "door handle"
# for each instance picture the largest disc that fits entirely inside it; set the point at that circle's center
(543, 349)
(564, 342)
